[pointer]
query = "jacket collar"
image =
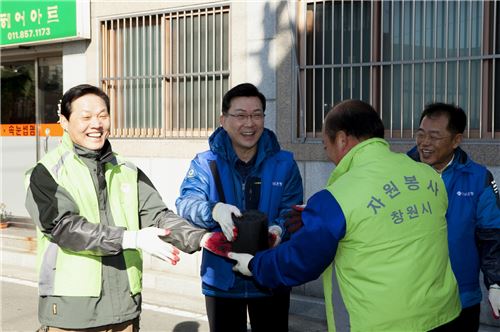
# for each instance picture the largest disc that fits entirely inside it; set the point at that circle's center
(460, 160)
(220, 144)
(104, 155)
(353, 156)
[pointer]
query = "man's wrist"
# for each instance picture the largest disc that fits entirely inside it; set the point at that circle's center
(129, 240)
(212, 205)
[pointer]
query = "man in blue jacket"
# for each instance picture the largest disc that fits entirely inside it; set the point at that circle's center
(255, 175)
(473, 213)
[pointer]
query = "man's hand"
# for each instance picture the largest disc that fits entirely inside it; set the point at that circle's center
(222, 213)
(217, 243)
(494, 297)
(294, 219)
(274, 236)
(147, 239)
(242, 261)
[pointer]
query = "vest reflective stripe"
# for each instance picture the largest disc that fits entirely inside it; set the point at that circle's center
(79, 274)
(392, 210)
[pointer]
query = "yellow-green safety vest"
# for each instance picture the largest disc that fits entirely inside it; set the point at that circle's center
(79, 273)
(397, 211)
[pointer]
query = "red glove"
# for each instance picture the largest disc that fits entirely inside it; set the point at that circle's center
(294, 219)
(217, 243)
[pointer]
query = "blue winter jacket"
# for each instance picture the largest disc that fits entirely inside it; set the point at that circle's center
(281, 188)
(473, 224)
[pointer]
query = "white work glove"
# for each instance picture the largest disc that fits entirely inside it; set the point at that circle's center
(242, 261)
(274, 235)
(494, 297)
(222, 213)
(147, 239)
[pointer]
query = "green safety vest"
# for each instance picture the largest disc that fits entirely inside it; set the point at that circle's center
(395, 225)
(79, 273)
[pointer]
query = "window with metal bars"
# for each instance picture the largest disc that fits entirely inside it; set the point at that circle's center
(399, 56)
(166, 73)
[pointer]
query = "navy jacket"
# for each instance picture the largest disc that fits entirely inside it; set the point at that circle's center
(281, 188)
(473, 224)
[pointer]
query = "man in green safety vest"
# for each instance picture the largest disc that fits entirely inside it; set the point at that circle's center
(95, 213)
(381, 221)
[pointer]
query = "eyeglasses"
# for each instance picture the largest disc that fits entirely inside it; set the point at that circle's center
(257, 116)
(433, 138)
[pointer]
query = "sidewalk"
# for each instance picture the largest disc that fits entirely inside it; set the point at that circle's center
(170, 290)
(162, 289)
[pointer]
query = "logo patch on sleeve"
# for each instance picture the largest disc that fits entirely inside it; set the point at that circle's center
(191, 173)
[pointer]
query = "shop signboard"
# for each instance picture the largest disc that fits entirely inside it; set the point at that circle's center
(45, 21)
(44, 129)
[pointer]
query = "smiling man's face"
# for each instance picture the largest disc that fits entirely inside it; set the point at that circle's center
(435, 143)
(89, 123)
(243, 127)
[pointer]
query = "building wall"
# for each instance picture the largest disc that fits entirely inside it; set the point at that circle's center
(262, 40)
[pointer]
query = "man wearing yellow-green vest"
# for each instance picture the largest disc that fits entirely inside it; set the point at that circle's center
(95, 212)
(381, 221)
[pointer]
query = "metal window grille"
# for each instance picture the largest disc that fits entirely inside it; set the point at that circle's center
(166, 73)
(399, 56)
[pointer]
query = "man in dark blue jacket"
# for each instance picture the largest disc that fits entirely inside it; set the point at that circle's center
(255, 174)
(473, 210)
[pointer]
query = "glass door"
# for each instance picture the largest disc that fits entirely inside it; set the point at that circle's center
(18, 96)
(30, 93)
(49, 94)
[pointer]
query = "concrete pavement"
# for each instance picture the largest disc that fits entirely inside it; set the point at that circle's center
(165, 291)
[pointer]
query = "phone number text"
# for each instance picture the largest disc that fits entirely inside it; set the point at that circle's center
(28, 33)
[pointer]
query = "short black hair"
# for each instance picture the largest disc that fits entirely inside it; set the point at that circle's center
(354, 117)
(77, 92)
(242, 90)
(457, 120)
